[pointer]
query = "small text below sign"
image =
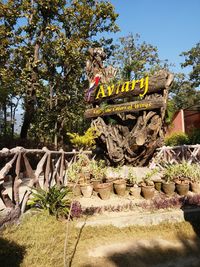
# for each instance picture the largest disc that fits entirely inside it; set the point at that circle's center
(125, 107)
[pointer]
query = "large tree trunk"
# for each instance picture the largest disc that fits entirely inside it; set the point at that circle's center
(28, 116)
(30, 100)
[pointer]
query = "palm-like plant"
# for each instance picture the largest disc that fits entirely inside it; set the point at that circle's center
(56, 200)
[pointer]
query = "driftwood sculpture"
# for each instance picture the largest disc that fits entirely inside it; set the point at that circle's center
(128, 115)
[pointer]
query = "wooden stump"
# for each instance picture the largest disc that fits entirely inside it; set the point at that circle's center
(130, 139)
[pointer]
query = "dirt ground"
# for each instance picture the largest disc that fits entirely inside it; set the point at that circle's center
(159, 247)
(156, 252)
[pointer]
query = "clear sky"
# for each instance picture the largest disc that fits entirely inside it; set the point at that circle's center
(173, 26)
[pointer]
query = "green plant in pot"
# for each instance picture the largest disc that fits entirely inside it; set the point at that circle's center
(156, 178)
(97, 172)
(72, 176)
(168, 185)
(86, 185)
(120, 186)
(79, 175)
(180, 174)
(147, 185)
(104, 190)
(135, 189)
(195, 178)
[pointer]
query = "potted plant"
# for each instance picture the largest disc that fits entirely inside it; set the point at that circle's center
(180, 174)
(135, 189)
(97, 172)
(120, 186)
(86, 187)
(78, 175)
(168, 185)
(157, 180)
(102, 187)
(113, 174)
(147, 186)
(72, 177)
(104, 190)
(195, 178)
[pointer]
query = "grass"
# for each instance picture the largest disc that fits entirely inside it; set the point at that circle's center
(38, 241)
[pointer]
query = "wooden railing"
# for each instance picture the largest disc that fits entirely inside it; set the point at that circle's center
(22, 164)
(177, 154)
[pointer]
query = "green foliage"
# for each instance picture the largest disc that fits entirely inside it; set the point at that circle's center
(177, 139)
(192, 59)
(86, 141)
(85, 168)
(194, 137)
(45, 54)
(132, 178)
(55, 200)
(182, 93)
(171, 109)
(79, 168)
(147, 178)
(182, 171)
(97, 169)
(136, 58)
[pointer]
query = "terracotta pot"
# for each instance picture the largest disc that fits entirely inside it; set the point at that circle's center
(111, 180)
(195, 187)
(168, 188)
(86, 190)
(95, 185)
(76, 189)
(148, 191)
(158, 185)
(120, 187)
(104, 190)
(182, 188)
(135, 191)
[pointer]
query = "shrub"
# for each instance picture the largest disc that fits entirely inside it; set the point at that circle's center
(86, 141)
(177, 139)
(55, 200)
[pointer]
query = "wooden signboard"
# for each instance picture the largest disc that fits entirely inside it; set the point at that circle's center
(142, 87)
(125, 107)
(138, 128)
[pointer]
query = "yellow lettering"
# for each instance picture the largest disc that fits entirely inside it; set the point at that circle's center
(100, 92)
(117, 88)
(133, 85)
(144, 83)
(110, 89)
(125, 87)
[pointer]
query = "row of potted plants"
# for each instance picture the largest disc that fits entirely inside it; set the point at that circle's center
(86, 176)
(178, 178)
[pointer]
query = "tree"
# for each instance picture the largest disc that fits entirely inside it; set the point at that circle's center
(50, 51)
(182, 92)
(192, 58)
(136, 58)
(8, 82)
